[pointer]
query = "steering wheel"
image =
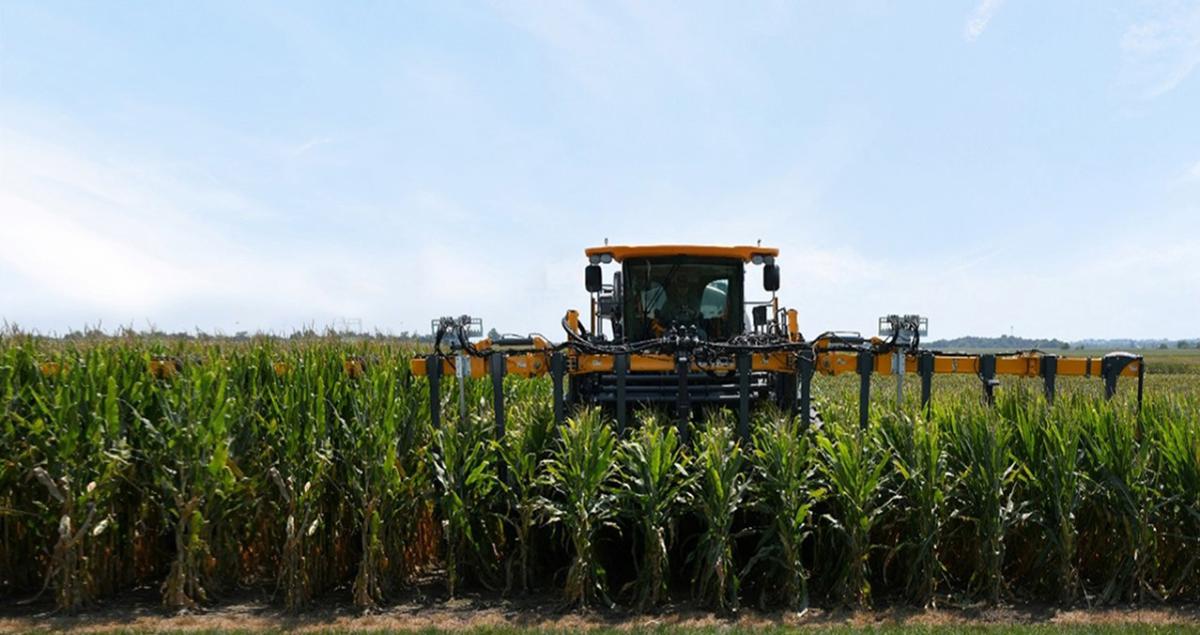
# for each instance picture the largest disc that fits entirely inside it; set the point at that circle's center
(688, 314)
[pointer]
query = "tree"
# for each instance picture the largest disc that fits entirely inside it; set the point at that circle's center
(1182, 344)
(1066, 346)
(1162, 347)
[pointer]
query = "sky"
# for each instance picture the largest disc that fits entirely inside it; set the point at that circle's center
(998, 166)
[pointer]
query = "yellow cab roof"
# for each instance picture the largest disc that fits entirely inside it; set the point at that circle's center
(621, 252)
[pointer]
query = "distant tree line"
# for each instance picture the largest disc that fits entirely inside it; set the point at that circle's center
(1007, 342)
(91, 333)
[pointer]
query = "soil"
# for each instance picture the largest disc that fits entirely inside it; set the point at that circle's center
(139, 610)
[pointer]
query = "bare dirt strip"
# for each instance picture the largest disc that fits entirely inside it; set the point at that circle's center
(140, 612)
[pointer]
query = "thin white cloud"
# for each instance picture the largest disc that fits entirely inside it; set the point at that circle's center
(88, 236)
(1160, 53)
(1187, 176)
(93, 239)
(308, 146)
(980, 17)
(95, 243)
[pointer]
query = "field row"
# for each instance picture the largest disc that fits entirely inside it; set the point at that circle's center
(309, 467)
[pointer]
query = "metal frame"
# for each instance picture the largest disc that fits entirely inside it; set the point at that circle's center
(799, 363)
(774, 359)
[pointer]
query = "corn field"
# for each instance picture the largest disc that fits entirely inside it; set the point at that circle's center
(309, 469)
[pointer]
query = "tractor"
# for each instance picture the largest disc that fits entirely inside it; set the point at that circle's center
(674, 327)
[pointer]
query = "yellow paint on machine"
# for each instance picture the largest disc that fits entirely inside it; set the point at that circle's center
(622, 252)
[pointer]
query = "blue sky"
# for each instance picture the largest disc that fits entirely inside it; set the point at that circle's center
(994, 165)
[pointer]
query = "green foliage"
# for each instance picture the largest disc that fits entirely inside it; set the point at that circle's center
(525, 444)
(265, 464)
(1120, 499)
(654, 485)
(852, 469)
(468, 490)
(191, 457)
(720, 490)
(783, 491)
(917, 490)
(248, 464)
(980, 458)
(580, 476)
(1046, 445)
(1171, 427)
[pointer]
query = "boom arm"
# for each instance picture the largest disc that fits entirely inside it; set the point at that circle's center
(987, 366)
(926, 364)
(829, 354)
(923, 363)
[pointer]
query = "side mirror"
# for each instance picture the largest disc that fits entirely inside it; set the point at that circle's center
(592, 279)
(759, 314)
(771, 277)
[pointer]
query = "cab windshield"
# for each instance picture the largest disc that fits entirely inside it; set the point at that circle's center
(683, 291)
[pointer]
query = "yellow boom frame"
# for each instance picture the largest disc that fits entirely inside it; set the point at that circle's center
(1021, 364)
(783, 355)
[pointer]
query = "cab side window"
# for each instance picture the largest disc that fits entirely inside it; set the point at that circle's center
(715, 300)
